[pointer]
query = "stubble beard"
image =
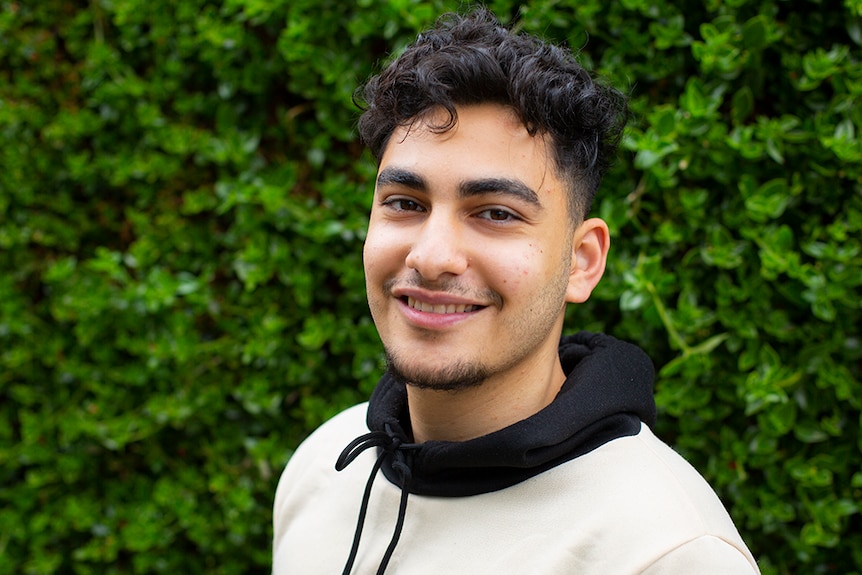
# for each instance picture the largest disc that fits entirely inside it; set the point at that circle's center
(455, 377)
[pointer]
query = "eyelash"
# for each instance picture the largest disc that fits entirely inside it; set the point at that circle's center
(398, 205)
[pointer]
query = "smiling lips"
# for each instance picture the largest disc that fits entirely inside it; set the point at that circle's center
(440, 308)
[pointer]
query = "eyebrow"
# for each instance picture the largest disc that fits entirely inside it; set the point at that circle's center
(479, 187)
(501, 186)
(399, 177)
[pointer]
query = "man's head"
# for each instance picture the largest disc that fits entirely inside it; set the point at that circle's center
(472, 59)
(489, 147)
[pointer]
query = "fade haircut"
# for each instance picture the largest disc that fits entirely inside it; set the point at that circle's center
(473, 59)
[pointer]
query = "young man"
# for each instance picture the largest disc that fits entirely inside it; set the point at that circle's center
(492, 445)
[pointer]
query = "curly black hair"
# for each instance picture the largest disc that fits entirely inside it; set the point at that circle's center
(473, 59)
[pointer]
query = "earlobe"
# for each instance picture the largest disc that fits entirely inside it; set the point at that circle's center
(589, 255)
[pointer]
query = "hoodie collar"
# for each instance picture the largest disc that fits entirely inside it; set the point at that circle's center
(607, 393)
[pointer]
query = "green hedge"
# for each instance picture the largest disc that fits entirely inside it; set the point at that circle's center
(182, 209)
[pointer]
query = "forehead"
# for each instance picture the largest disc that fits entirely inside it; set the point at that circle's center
(485, 140)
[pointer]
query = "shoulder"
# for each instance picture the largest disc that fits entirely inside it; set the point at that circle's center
(315, 457)
(664, 473)
(642, 465)
(656, 497)
(346, 425)
(312, 495)
(705, 555)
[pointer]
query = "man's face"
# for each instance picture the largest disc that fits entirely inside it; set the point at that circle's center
(469, 251)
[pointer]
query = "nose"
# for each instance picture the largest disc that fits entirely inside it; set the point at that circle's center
(438, 248)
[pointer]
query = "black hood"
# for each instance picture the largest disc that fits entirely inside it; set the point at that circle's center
(607, 393)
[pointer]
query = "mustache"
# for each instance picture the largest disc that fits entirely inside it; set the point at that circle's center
(449, 285)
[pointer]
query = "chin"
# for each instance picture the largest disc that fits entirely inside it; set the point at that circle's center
(453, 376)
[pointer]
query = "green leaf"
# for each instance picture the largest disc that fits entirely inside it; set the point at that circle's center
(769, 200)
(742, 105)
(754, 33)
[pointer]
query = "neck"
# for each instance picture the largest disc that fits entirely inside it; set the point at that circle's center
(488, 407)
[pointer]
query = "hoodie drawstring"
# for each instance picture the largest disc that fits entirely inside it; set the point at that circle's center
(391, 445)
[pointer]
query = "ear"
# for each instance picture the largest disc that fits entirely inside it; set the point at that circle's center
(589, 255)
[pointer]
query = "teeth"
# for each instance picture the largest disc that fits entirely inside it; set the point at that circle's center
(451, 308)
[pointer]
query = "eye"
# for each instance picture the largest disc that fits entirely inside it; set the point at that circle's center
(498, 215)
(403, 205)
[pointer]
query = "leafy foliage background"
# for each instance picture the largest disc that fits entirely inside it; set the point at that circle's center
(182, 209)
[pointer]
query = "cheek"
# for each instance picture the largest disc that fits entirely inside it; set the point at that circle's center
(532, 269)
(376, 250)
(372, 258)
(517, 270)
(367, 259)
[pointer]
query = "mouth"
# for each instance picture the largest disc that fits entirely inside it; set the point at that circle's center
(439, 308)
